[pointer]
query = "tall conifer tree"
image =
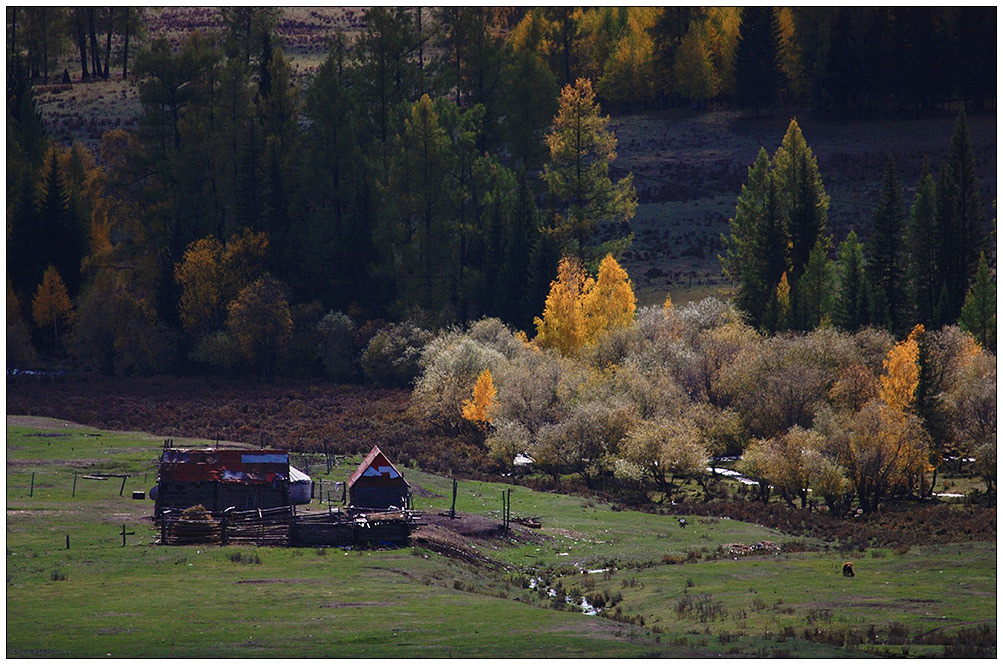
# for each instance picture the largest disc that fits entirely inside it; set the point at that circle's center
(960, 221)
(920, 248)
(850, 307)
(757, 58)
(886, 261)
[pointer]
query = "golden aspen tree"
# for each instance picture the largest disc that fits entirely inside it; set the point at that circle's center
(260, 321)
(668, 307)
(610, 302)
(563, 324)
(198, 273)
(901, 377)
(480, 407)
(51, 303)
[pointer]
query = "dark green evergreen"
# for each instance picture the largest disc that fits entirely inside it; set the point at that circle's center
(886, 259)
(920, 247)
(850, 311)
(978, 314)
(757, 58)
(961, 221)
(815, 299)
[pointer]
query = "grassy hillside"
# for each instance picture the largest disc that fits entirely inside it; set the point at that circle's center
(663, 590)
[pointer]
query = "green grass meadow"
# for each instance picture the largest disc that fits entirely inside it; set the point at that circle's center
(666, 591)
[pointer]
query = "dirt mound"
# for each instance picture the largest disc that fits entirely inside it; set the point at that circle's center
(451, 537)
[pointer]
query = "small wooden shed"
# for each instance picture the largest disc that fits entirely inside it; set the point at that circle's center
(377, 484)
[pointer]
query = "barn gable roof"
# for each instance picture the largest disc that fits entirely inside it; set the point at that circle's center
(375, 465)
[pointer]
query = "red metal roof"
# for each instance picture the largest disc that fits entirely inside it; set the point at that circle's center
(229, 466)
(376, 467)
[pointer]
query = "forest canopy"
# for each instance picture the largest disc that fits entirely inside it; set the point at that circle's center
(438, 166)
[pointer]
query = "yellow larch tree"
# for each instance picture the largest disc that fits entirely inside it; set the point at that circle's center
(51, 303)
(610, 302)
(480, 407)
(901, 377)
(563, 323)
(668, 307)
(579, 308)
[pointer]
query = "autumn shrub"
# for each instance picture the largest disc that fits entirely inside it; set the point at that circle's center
(218, 349)
(451, 364)
(336, 346)
(117, 332)
(392, 356)
(297, 358)
(21, 353)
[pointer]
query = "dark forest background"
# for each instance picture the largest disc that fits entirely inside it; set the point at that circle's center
(264, 221)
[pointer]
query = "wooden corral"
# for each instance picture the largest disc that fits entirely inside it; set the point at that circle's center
(282, 527)
(220, 479)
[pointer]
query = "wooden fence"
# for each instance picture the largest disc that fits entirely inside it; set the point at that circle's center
(281, 527)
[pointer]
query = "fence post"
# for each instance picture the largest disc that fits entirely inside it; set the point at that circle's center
(120, 491)
(123, 534)
(67, 542)
(74, 489)
(31, 493)
(452, 508)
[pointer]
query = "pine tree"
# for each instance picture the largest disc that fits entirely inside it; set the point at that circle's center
(757, 58)
(921, 250)
(850, 308)
(577, 175)
(960, 220)
(978, 314)
(885, 256)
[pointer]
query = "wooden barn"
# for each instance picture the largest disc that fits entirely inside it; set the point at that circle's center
(219, 479)
(377, 484)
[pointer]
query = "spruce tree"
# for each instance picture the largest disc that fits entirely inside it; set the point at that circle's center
(757, 58)
(815, 292)
(978, 314)
(960, 220)
(885, 265)
(802, 198)
(756, 247)
(850, 307)
(920, 249)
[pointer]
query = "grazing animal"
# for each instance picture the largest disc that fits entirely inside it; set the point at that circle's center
(847, 569)
(682, 523)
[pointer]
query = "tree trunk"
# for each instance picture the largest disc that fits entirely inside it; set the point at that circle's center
(125, 47)
(111, 29)
(95, 54)
(81, 43)
(45, 49)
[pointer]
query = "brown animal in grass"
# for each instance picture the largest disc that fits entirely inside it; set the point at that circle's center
(847, 569)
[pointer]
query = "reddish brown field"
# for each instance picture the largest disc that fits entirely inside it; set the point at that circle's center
(297, 415)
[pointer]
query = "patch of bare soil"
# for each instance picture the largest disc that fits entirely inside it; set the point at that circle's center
(450, 537)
